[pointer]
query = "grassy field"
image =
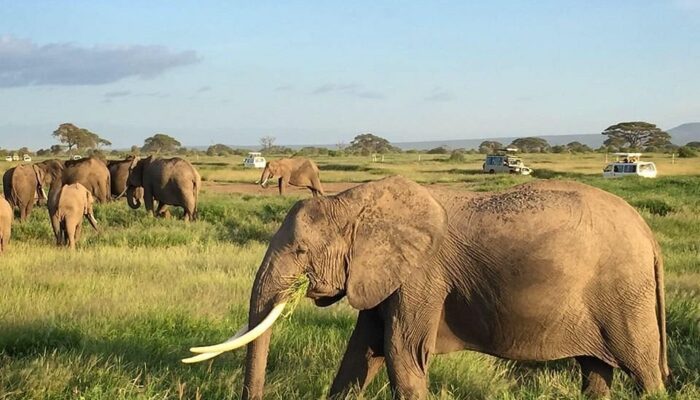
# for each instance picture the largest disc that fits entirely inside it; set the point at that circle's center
(112, 319)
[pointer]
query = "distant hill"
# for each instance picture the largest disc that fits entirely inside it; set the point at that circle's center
(680, 135)
(685, 133)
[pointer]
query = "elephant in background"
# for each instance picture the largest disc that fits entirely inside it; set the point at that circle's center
(542, 271)
(24, 184)
(5, 224)
(119, 174)
(297, 171)
(92, 173)
(67, 206)
(169, 181)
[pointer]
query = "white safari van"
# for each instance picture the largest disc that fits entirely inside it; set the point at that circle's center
(254, 160)
(629, 165)
(502, 162)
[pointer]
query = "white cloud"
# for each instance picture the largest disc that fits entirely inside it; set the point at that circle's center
(25, 63)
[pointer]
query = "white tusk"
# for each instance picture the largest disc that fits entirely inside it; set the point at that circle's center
(264, 182)
(206, 356)
(248, 337)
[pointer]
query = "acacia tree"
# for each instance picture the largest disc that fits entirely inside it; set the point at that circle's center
(489, 146)
(160, 143)
(368, 143)
(267, 142)
(636, 135)
(531, 145)
(79, 138)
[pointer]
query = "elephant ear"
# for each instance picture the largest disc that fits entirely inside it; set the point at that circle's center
(399, 226)
(136, 170)
(40, 177)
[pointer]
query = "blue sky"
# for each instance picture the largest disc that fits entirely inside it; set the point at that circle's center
(322, 72)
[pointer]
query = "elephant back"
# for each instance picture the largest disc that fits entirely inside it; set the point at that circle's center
(91, 173)
(23, 185)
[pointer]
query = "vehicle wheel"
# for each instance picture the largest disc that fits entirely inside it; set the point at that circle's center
(492, 171)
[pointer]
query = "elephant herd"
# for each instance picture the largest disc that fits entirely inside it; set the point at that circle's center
(74, 185)
(542, 271)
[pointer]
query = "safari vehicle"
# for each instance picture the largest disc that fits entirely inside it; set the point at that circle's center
(8, 158)
(26, 158)
(254, 160)
(15, 157)
(630, 165)
(503, 162)
(76, 157)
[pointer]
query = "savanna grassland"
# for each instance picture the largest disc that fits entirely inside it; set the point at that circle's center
(112, 319)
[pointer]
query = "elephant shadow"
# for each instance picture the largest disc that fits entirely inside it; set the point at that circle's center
(140, 345)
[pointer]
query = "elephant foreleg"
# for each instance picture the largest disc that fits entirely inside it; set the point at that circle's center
(409, 341)
(363, 357)
(281, 184)
(148, 200)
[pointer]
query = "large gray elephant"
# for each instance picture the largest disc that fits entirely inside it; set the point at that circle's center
(119, 173)
(67, 207)
(5, 224)
(171, 181)
(542, 271)
(24, 184)
(92, 173)
(297, 171)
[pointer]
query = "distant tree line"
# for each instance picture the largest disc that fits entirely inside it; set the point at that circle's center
(621, 137)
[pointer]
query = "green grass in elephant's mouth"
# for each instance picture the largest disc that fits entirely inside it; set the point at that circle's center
(295, 293)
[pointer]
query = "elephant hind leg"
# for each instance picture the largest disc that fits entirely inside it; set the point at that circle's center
(596, 377)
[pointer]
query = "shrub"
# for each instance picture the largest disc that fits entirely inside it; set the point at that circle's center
(456, 156)
(686, 152)
(654, 206)
(439, 150)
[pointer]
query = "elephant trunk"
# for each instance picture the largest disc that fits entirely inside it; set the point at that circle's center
(267, 302)
(256, 359)
(131, 197)
(266, 175)
(271, 282)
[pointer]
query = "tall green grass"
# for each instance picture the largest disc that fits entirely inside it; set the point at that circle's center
(112, 319)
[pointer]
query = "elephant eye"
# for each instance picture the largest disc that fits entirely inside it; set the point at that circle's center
(301, 251)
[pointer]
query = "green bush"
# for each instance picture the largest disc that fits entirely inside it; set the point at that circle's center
(686, 152)
(654, 206)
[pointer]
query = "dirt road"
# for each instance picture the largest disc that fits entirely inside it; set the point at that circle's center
(251, 188)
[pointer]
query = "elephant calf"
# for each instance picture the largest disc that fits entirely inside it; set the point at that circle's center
(542, 271)
(297, 171)
(66, 209)
(5, 224)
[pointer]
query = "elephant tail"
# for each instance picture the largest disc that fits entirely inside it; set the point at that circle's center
(661, 313)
